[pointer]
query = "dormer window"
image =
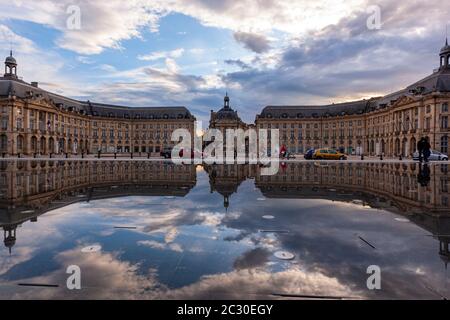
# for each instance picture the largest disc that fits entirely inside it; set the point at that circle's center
(284, 115)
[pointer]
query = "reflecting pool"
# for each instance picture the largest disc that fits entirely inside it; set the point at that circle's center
(155, 230)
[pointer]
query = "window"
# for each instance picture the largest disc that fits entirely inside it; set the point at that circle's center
(444, 122)
(3, 142)
(428, 108)
(445, 107)
(4, 123)
(444, 144)
(427, 123)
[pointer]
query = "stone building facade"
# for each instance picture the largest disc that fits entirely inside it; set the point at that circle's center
(389, 125)
(227, 118)
(33, 120)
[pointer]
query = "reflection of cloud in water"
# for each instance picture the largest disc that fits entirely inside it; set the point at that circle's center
(105, 277)
(161, 246)
(251, 259)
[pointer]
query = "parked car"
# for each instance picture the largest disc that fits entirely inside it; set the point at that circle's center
(434, 156)
(166, 153)
(309, 154)
(329, 154)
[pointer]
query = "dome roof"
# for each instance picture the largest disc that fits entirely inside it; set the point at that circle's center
(10, 60)
(227, 113)
(445, 48)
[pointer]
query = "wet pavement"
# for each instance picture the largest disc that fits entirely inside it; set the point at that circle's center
(155, 230)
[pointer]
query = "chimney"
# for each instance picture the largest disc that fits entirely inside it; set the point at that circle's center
(35, 84)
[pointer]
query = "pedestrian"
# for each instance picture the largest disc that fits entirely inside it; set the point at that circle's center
(424, 175)
(426, 150)
(283, 151)
(421, 147)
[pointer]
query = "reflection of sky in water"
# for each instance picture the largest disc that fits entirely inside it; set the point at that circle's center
(191, 247)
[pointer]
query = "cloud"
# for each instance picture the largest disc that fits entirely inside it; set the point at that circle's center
(177, 53)
(85, 60)
(254, 42)
(237, 62)
(33, 60)
(103, 23)
(318, 52)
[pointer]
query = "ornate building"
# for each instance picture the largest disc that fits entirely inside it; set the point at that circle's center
(36, 121)
(389, 125)
(227, 118)
(33, 120)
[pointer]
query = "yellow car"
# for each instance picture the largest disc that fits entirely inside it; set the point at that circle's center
(329, 154)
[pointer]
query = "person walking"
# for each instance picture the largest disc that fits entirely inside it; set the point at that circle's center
(426, 149)
(283, 151)
(421, 147)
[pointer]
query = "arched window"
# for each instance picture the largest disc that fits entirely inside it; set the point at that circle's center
(3, 143)
(19, 144)
(444, 144)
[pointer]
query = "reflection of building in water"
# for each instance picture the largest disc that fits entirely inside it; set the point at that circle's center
(29, 189)
(9, 238)
(386, 184)
(393, 187)
(444, 249)
(225, 179)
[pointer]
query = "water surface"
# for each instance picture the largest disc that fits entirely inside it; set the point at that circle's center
(192, 232)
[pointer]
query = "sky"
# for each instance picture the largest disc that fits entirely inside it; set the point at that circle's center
(262, 52)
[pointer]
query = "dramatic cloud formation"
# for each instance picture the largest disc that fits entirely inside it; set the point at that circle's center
(251, 41)
(272, 52)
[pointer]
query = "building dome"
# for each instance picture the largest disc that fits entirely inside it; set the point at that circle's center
(446, 48)
(10, 67)
(10, 60)
(226, 113)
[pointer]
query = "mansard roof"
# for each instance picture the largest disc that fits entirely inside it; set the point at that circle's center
(25, 90)
(439, 81)
(316, 111)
